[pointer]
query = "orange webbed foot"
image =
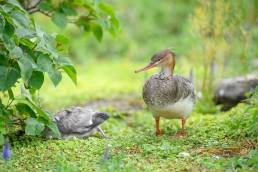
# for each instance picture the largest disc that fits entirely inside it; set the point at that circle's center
(159, 133)
(181, 133)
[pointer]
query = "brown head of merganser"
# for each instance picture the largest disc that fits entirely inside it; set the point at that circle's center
(167, 95)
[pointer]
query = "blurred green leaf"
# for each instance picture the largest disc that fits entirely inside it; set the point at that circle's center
(53, 127)
(1, 139)
(8, 77)
(20, 17)
(10, 93)
(33, 127)
(16, 52)
(62, 42)
(55, 76)
(97, 31)
(107, 8)
(71, 72)
(45, 6)
(26, 68)
(36, 79)
(44, 62)
(59, 19)
(68, 9)
(24, 108)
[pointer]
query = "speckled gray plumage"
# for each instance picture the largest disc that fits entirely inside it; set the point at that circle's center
(77, 122)
(160, 91)
(73, 120)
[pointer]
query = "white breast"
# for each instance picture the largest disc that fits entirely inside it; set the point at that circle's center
(181, 108)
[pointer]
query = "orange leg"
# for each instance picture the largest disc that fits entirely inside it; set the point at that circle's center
(183, 120)
(182, 131)
(158, 131)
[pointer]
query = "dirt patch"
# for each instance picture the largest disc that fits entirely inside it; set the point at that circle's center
(230, 151)
(124, 105)
(129, 150)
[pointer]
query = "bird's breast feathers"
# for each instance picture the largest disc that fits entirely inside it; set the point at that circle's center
(181, 108)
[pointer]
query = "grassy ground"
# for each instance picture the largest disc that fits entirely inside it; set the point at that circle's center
(222, 142)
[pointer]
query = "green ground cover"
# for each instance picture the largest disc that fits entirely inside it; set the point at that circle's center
(220, 142)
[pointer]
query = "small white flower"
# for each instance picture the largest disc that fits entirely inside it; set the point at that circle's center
(183, 154)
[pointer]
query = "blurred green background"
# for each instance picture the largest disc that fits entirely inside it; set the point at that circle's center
(214, 39)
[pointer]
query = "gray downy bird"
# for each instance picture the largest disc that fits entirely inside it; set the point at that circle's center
(78, 122)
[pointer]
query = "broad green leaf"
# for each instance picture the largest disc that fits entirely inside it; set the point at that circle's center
(24, 33)
(9, 29)
(97, 31)
(84, 23)
(36, 108)
(36, 80)
(25, 93)
(26, 68)
(62, 42)
(59, 19)
(44, 63)
(106, 8)
(20, 18)
(10, 93)
(71, 72)
(68, 9)
(8, 77)
(24, 108)
(53, 127)
(8, 37)
(55, 76)
(27, 43)
(1, 139)
(2, 23)
(33, 127)
(3, 60)
(45, 6)
(16, 53)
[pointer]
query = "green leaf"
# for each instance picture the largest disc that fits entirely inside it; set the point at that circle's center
(106, 8)
(59, 19)
(36, 80)
(62, 42)
(16, 53)
(1, 139)
(97, 31)
(55, 76)
(8, 77)
(24, 108)
(2, 23)
(67, 9)
(71, 72)
(25, 93)
(8, 36)
(44, 62)
(10, 93)
(20, 17)
(26, 68)
(9, 29)
(53, 127)
(33, 127)
(45, 6)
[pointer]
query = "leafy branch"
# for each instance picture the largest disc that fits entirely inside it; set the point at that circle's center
(28, 55)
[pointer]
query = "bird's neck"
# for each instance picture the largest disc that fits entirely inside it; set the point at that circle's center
(168, 69)
(166, 72)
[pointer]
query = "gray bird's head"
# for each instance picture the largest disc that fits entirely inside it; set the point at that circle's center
(99, 117)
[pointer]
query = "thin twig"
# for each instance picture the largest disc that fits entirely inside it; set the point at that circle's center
(33, 4)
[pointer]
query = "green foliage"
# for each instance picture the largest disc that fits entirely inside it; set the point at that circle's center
(27, 54)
